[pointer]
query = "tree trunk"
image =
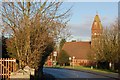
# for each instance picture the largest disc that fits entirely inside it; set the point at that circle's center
(113, 66)
(20, 64)
(119, 68)
(96, 64)
(39, 73)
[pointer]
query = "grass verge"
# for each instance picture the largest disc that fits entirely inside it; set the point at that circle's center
(85, 68)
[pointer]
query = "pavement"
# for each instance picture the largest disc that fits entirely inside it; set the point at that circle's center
(69, 74)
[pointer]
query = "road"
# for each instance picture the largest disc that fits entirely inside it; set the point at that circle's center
(74, 75)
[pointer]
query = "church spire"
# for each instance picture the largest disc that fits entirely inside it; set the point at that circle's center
(96, 30)
(97, 23)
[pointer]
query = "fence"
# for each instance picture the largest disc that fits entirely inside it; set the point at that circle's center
(7, 65)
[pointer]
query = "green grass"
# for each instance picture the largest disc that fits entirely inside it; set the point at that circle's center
(88, 68)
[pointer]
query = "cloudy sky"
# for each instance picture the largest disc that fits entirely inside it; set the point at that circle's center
(83, 14)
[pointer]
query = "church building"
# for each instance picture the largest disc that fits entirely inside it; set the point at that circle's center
(80, 50)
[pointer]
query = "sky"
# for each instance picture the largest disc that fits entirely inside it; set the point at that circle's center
(83, 14)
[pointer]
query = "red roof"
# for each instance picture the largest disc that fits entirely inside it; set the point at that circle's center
(78, 49)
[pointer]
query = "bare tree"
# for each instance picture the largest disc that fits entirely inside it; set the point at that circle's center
(34, 28)
(119, 45)
(107, 47)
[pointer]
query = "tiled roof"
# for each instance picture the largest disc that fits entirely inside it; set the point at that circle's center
(78, 49)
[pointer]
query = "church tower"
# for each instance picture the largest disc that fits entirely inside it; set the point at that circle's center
(96, 30)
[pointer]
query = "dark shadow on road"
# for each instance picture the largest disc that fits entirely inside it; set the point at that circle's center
(48, 77)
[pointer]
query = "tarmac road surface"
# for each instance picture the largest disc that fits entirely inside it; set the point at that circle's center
(66, 74)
